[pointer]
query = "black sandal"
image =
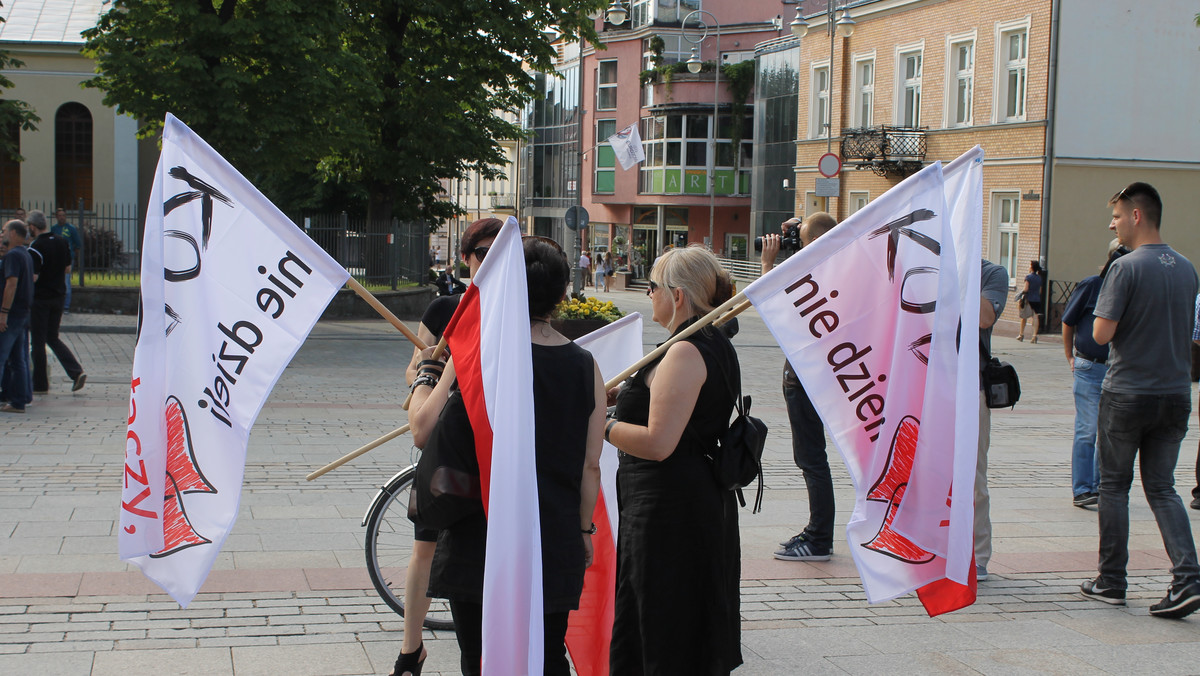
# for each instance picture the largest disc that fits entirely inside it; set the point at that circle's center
(410, 663)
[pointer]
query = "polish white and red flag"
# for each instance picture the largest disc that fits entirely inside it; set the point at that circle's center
(589, 630)
(493, 361)
(230, 289)
(869, 316)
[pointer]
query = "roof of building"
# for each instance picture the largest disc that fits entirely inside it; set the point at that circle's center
(49, 21)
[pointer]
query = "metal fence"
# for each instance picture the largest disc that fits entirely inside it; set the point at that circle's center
(381, 254)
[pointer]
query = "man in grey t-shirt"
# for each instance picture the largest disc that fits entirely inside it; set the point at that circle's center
(993, 294)
(1145, 312)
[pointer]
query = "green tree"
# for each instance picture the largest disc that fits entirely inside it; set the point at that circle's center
(262, 81)
(13, 114)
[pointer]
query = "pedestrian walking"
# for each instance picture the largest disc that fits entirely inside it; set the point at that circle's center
(1146, 313)
(51, 257)
(16, 300)
(1031, 301)
(70, 233)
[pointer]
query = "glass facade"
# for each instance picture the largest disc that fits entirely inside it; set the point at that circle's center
(550, 168)
(776, 106)
(677, 155)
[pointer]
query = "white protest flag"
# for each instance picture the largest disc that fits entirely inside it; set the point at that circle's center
(627, 145)
(493, 361)
(589, 631)
(230, 289)
(868, 317)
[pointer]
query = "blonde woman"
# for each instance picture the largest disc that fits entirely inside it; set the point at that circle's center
(677, 603)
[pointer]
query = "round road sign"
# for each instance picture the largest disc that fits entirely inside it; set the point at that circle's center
(829, 165)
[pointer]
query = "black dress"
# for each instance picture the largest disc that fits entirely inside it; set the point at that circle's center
(564, 398)
(678, 549)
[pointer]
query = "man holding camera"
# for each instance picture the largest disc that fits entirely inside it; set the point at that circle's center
(815, 542)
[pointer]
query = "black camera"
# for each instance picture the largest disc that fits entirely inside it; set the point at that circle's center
(788, 241)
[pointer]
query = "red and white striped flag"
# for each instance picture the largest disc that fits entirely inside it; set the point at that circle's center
(589, 630)
(230, 290)
(868, 315)
(493, 361)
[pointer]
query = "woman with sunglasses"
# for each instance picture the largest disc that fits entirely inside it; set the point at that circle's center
(476, 240)
(678, 549)
(569, 407)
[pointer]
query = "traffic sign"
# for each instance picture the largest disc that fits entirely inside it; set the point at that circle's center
(829, 165)
(576, 218)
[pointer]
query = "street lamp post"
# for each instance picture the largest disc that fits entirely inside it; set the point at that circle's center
(693, 65)
(842, 28)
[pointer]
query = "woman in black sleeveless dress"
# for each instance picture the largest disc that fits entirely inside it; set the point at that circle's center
(569, 408)
(678, 549)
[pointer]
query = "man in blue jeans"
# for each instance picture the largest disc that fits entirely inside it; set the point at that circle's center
(1089, 363)
(16, 299)
(70, 233)
(1145, 311)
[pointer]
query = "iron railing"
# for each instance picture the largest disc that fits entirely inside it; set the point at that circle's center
(888, 151)
(506, 201)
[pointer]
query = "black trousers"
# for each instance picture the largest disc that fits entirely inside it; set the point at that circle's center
(468, 624)
(44, 319)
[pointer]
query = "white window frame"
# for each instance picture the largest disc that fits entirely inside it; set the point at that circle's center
(1004, 230)
(902, 84)
(1003, 30)
(858, 200)
(602, 86)
(953, 75)
(856, 111)
(816, 125)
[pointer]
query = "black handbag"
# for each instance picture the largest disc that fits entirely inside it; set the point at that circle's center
(446, 487)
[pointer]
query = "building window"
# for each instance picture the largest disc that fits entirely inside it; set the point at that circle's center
(962, 79)
(1014, 50)
(606, 159)
(910, 89)
(820, 103)
(606, 86)
(1006, 223)
(864, 92)
(73, 156)
(639, 14)
(10, 167)
(677, 157)
(858, 200)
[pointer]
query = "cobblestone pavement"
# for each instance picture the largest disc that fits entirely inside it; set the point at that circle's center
(290, 594)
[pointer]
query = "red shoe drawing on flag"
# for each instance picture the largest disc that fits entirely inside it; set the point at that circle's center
(183, 476)
(890, 488)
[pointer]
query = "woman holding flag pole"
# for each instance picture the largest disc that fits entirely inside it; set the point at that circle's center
(678, 614)
(568, 398)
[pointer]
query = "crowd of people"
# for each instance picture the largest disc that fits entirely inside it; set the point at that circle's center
(1127, 338)
(36, 261)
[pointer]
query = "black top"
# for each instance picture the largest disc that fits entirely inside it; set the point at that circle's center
(17, 264)
(438, 314)
(51, 257)
(563, 400)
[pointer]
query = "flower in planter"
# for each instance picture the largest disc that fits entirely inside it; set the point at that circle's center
(588, 308)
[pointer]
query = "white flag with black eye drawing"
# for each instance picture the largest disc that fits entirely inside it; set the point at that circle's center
(627, 145)
(230, 289)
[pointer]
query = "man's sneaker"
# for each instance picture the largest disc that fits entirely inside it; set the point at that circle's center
(1195, 503)
(79, 382)
(981, 573)
(1180, 601)
(1086, 499)
(1093, 589)
(791, 542)
(804, 550)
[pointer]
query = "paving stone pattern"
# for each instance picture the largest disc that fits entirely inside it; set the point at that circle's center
(289, 593)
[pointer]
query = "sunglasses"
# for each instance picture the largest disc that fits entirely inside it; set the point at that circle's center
(479, 251)
(653, 287)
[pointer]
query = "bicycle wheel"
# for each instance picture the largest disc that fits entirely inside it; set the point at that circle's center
(389, 548)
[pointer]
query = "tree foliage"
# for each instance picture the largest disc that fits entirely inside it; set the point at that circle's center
(13, 113)
(387, 96)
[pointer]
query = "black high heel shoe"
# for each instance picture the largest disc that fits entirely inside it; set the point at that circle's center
(410, 663)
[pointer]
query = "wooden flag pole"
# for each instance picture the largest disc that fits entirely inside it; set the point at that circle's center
(354, 454)
(385, 313)
(741, 307)
(733, 306)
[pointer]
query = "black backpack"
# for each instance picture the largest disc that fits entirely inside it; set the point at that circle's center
(737, 459)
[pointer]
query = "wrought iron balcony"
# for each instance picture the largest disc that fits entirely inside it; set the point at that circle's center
(890, 152)
(505, 201)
